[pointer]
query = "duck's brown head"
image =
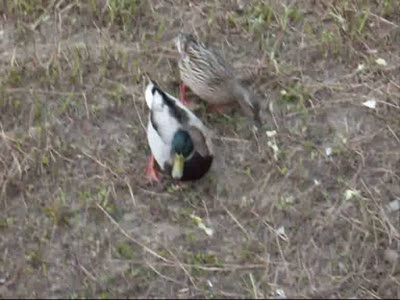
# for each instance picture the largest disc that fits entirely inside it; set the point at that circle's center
(183, 40)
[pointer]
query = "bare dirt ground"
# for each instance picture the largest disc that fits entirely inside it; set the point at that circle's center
(309, 207)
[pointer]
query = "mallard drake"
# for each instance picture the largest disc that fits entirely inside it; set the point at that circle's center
(211, 78)
(178, 140)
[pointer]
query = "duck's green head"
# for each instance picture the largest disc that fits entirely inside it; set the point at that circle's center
(182, 147)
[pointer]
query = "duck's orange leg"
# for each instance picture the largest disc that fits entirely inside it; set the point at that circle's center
(183, 95)
(151, 173)
(184, 99)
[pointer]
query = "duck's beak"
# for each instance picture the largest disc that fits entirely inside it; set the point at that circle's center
(177, 168)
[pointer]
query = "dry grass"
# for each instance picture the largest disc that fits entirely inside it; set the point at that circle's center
(308, 212)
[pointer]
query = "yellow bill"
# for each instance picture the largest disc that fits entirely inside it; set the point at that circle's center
(177, 168)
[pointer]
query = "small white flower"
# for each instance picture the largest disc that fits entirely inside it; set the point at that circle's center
(394, 205)
(349, 194)
(328, 151)
(271, 133)
(280, 293)
(317, 182)
(360, 67)
(283, 92)
(370, 103)
(289, 199)
(343, 139)
(380, 61)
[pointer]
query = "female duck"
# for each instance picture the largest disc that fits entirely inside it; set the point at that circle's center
(178, 140)
(210, 77)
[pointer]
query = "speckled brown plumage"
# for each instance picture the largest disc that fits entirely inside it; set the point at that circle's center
(210, 77)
